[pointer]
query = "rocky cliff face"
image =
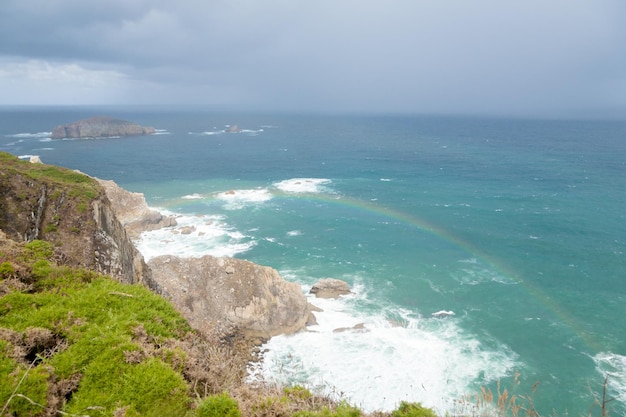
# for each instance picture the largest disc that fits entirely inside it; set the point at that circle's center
(253, 299)
(72, 211)
(132, 211)
(100, 126)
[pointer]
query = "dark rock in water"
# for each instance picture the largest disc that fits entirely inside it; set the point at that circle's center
(359, 328)
(100, 126)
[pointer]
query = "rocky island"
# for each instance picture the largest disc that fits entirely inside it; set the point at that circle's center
(99, 127)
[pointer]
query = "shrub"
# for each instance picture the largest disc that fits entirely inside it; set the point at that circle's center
(222, 405)
(39, 250)
(412, 410)
(6, 270)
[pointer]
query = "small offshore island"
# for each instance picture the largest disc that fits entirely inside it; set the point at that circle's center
(100, 127)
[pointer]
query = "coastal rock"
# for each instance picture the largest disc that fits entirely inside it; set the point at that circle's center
(330, 288)
(132, 210)
(358, 328)
(100, 126)
(252, 298)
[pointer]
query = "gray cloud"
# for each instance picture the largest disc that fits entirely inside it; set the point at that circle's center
(484, 56)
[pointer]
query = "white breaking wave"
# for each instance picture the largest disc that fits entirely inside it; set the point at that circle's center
(30, 135)
(238, 199)
(249, 132)
(161, 132)
(614, 366)
(194, 196)
(304, 185)
(194, 236)
(376, 359)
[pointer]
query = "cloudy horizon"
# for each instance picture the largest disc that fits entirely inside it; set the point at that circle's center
(559, 58)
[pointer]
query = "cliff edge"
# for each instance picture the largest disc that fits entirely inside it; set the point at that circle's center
(81, 216)
(71, 211)
(100, 126)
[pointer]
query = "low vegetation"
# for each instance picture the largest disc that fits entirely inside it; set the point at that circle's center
(74, 342)
(80, 184)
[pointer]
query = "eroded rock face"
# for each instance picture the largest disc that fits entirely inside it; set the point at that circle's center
(330, 288)
(100, 126)
(253, 298)
(57, 211)
(132, 210)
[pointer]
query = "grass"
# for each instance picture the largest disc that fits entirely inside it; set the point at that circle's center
(78, 325)
(80, 185)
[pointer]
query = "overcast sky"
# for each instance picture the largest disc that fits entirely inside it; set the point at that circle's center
(524, 57)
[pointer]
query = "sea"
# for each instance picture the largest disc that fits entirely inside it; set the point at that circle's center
(484, 254)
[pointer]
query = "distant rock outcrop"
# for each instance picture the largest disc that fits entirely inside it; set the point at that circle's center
(100, 126)
(330, 288)
(252, 298)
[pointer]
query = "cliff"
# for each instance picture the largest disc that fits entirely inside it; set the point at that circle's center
(232, 295)
(70, 210)
(100, 126)
(132, 211)
(81, 216)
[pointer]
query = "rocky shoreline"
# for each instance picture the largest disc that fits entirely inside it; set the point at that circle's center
(94, 224)
(234, 295)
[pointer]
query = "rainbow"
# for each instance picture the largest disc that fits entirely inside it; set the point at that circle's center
(425, 226)
(493, 263)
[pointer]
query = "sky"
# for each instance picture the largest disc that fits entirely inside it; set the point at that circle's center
(530, 57)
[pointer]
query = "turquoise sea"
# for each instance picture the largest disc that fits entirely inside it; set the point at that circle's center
(477, 248)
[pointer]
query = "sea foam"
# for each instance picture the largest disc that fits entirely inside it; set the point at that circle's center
(30, 135)
(613, 366)
(194, 236)
(304, 185)
(237, 199)
(376, 358)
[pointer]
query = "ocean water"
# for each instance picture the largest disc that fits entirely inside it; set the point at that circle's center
(476, 248)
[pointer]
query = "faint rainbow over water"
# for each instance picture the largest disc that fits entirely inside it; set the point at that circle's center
(428, 227)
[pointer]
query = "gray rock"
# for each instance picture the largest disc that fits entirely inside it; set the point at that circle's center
(330, 288)
(253, 298)
(100, 126)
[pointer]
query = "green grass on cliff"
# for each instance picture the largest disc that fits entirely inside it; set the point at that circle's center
(81, 184)
(79, 339)
(74, 342)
